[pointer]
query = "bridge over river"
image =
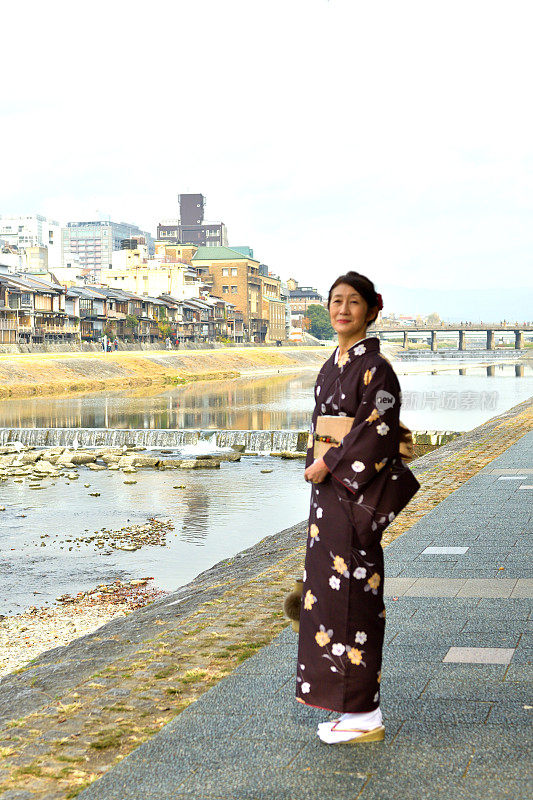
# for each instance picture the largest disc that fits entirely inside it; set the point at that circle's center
(463, 332)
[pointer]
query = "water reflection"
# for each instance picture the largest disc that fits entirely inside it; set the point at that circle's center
(279, 401)
(195, 522)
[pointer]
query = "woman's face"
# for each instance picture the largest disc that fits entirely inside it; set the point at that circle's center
(348, 311)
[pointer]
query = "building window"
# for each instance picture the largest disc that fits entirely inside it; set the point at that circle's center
(234, 270)
(225, 272)
(234, 290)
(225, 289)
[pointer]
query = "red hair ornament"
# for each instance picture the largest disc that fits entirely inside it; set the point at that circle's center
(380, 302)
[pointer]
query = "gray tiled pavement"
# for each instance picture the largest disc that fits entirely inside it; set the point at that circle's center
(454, 730)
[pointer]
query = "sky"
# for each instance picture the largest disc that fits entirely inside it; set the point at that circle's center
(394, 138)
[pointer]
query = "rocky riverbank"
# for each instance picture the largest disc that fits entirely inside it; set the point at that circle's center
(24, 375)
(25, 636)
(19, 462)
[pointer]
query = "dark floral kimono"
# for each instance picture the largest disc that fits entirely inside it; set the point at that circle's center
(342, 619)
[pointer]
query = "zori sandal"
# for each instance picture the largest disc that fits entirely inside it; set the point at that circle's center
(341, 735)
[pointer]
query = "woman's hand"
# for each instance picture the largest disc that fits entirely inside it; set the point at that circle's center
(317, 472)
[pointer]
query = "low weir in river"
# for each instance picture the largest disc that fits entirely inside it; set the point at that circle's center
(267, 441)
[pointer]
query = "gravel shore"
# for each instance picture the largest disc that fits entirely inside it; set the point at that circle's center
(25, 636)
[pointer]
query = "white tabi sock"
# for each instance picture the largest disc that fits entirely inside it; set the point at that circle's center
(362, 721)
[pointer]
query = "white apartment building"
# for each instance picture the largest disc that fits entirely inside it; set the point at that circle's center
(32, 230)
(134, 271)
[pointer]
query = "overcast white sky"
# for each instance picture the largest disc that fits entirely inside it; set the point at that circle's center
(391, 137)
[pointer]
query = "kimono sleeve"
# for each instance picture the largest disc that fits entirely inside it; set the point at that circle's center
(375, 434)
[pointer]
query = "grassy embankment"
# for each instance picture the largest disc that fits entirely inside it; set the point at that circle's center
(25, 375)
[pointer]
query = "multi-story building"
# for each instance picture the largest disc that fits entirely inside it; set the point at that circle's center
(197, 321)
(174, 253)
(93, 243)
(168, 273)
(285, 296)
(33, 258)
(232, 328)
(117, 314)
(300, 298)
(190, 227)
(235, 277)
(32, 230)
(273, 307)
(93, 311)
(235, 324)
(71, 274)
(34, 311)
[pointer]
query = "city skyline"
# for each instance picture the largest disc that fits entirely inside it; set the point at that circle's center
(452, 303)
(326, 135)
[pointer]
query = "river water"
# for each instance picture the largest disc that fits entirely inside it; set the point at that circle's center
(443, 401)
(217, 513)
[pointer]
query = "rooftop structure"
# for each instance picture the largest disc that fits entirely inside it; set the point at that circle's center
(190, 227)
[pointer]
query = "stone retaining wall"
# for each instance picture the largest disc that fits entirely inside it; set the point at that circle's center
(96, 347)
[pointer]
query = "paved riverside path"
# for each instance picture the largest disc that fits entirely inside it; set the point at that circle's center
(454, 696)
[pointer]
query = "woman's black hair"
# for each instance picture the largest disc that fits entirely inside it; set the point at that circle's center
(361, 284)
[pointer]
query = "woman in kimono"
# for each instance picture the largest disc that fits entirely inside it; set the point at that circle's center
(358, 488)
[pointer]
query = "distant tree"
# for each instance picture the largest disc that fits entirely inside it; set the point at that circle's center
(132, 323)
(165, 329)
(434, 319)
(319, 324)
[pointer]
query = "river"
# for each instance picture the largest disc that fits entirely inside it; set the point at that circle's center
(443, 401)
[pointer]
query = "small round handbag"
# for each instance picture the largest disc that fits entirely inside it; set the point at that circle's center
(292, 604)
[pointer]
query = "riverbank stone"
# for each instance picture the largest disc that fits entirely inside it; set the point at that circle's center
(30, 458)
(45, 467)
(145, 461)
(203, 463)
(83, 458)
